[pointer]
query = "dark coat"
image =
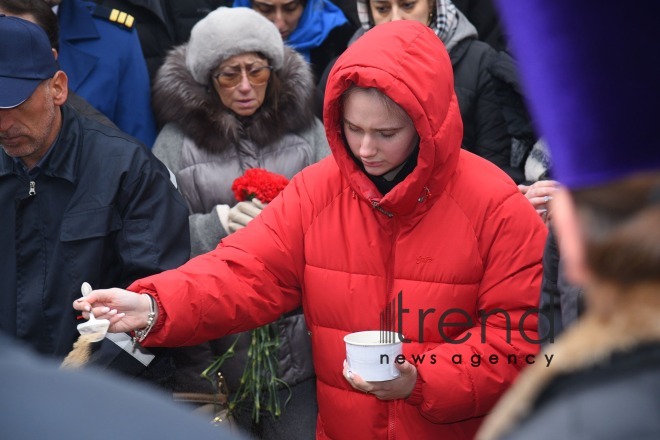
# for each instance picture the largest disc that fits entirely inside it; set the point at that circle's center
(508, 90)
(333, 46)
(561, 301)
(485, 130)
(103, 210)
(39, 400)
(484, 16)
(104, 63)
(603, 382)
(617, 400)
(163, 24)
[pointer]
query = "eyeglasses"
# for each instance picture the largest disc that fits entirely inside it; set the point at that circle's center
(256, 76)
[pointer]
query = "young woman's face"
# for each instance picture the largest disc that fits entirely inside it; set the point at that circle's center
(241, 82)
(285, 14)
(384, 11)
(379, 136)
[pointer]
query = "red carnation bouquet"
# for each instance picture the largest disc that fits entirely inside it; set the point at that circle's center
(259, 384)
(258, 183)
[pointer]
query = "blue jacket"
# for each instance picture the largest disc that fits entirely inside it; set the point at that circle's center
(100, 208)
(105, 65)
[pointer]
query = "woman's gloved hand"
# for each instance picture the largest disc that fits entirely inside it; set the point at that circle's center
(243, 213)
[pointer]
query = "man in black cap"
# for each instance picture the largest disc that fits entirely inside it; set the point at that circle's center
(79, 202)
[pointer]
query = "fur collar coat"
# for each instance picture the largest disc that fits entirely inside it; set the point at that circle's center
(617, 325)
(199, 113)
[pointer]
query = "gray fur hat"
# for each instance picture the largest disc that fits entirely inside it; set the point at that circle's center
(226, 32)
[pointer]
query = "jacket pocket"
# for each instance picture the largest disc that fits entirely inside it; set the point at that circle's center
(92, 223)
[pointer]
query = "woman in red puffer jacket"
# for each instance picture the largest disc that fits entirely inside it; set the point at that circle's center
(400, 215)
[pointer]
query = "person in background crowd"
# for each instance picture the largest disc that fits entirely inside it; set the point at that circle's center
(39, 13)
(529, 155)
(606, 380)
(163, 24)
(484, 16)
(317, 29)
(540, 195)
(39, 400)
(349, 9)
(230, 99)
(485, 130)
(561, 301)
(400, 207)
(79, 201)
(100, 52)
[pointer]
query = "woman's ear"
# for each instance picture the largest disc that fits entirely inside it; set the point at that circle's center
(570, 238)
(432, 9)
(59, 85)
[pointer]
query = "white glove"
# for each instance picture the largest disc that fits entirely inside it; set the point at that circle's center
(243, 213)
(223, 213)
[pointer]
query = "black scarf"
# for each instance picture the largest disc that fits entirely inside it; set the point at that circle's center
(384, 185)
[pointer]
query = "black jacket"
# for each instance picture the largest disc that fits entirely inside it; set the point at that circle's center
(485, 130)
(561, 302)
(163, 24)
(98, 208)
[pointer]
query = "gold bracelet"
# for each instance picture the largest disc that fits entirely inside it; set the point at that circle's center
(140, 335)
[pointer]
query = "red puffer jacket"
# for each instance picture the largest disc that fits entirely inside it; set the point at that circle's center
(455, 237)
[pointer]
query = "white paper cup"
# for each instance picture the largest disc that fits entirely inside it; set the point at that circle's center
(372, 354)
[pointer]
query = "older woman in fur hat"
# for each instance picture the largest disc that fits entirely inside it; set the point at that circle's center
(233, 98)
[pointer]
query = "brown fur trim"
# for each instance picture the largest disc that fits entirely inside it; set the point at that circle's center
(621, 322)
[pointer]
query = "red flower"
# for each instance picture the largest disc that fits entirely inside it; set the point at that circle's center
(260, 184)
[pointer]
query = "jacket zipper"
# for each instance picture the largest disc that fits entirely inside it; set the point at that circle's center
(33, 188)
(389, 291)
(392, 422)
(376, 206)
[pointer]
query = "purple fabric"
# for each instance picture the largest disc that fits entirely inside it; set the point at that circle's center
(591, 72)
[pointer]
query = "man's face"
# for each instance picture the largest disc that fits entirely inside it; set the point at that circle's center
(28, 130)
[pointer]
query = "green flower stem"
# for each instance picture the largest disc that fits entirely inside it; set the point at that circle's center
(259, 381)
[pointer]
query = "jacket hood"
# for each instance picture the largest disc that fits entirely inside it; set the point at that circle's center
(200, 114)
(407, 62)
(464, 31)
